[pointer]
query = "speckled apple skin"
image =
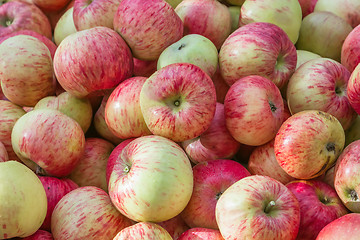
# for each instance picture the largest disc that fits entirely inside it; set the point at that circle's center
(143, 231)
(240, 210)
(211, 179)
(55, 189)
(301, 143)
(87, 213)
(92, 61)
(188, 84)
(40, 235)
(88, 14)
(249, 115)
(353, 89)
(148, 27)
(350, 51)
(210, 19)
(123, 114)
(27, 75)
(49, 139)
(24, 16)
(201, 234)
(343, 228)
(151, 180)
(91, 168)
(313, 87)
(9, 114)
(254, 49)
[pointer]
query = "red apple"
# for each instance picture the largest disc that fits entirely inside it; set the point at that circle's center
(220, 85)
(143, 231)
(353, 88)
(40, 235)
(144, 68)
(51, 5)
(201, 234)
(350, 51)
(343, 228)
(174, 226)
(4, 156)
(307, 6)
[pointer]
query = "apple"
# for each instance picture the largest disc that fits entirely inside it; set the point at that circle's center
(201, 234)
(308, 143)
(54, 16)
(82, 72)
(348, 9)
(91, 168)
(220, 85)
(211, 179)
(27, 75)
(258, 49)
(151, 180)
(262, 161)
(86, 213)
(235, 16)
(123, 114)
(23, 201)
(192, 48)
(307, 6)
(321, 84)
(18, 15)
(51, 5)
(4, 156)
(216, 142)
(174, 226)
(353, 89)
(144, 68)
(353, 132)
(100, 125)
(258, 207)
(78, 109)
(64, 26)
(343, 228)
(329, 177)
(347, 181)
(148, 27)
(143, 231)
(88, 14)
(55, 189)
(350, 51)
(315, 26)
(173, 3)
(210, 19)
(303, 56)
(9, 114)
(178, 101)
(319, 205)
(287, 14)
(61, 139)
(40, 235)
(253, 110)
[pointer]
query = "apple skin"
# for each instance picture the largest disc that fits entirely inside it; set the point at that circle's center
(287, 14)
(201, 234)
(350, 51)
(308, 143)
(19, 15)
(178, 101)
(55, 189)
(86, 213)
(88, 14)
(4, 156)
(144, 68)
(353, 132)
(318, 34)
(307, 6)
(347, 181)
(123, 114)
(40, 235)
(51, 5)
(262, 161)
(258, 207)
(78, 109)
(303, 56)
(210, 19)
(319, 205)
(353, 88)
(82, 72)
(235, 16)
(27, 75)
(64, 26)
(343, 228)
(192, 48)
(211, 179)
(253, 110)
(220, 85)
(20, 218)
(148, 27)
(258, 49)
(321, 84)
(216, 142)
(348, 9)
(91, 168)
(143, 231)
(163, 161)
(174, 226)
(9, 114)
(61, 139)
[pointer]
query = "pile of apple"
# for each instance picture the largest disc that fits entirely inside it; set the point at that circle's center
(180, 119)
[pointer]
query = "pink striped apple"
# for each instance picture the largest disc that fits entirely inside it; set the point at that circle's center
(353, 88)
(201, 234)
(143, 231)
(343, 228)
(174, 226)
(4, 156)
(350, 51)
(40, 235)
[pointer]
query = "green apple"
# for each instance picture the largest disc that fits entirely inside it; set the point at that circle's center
(23, 201)
(303, 56)
(193, 48)
(173, 3)
(234, 17)
(64, 27)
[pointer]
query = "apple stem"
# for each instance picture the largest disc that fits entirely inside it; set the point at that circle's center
(40, 171)
(354, 196)
(127, 169)
(269, 206)
(272, 107)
